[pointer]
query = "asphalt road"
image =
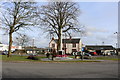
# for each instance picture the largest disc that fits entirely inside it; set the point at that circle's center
(107, 69)
(0, 69)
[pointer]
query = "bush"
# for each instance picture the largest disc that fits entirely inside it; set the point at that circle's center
(32, 57)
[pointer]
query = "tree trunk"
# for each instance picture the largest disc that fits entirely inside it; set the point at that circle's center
(58, 42)
(10, 44)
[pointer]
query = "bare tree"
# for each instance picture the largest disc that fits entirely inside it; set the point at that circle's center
(22, 40)
(16, 15)
(60, 16)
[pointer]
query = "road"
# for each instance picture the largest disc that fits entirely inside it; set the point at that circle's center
(107, 69)
(0, 69)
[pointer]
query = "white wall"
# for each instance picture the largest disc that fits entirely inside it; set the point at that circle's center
(80, 45)
(4, 47)
(53, 42)
(16, 47)
(70, 47)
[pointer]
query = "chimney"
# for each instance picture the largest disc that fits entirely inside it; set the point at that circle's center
(70, 37)
(52, 38)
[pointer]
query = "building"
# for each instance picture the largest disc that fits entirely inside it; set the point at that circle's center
(29, 50)
(99, 49)
(4, 47)
(13, 48)
(68, 45)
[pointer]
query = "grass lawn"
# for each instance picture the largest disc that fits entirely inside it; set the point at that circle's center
(17, 58)
(24, 58)
(115, 58)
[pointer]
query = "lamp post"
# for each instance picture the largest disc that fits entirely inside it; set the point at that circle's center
(33, 42)
(118, 41)
(103, 43)
(33, 45)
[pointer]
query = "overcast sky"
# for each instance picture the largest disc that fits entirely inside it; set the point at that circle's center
(99, 18)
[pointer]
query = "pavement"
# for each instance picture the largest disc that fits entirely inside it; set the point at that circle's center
(104, 69)
(58, 59)
(68, 59)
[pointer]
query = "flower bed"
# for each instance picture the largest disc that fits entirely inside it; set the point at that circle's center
(64, 55)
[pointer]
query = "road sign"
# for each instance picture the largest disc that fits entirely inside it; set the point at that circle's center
(83, 49)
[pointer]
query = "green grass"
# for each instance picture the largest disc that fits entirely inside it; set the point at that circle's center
(0, 57)
(72, 56)
(106, 58)
(115, 58)
(18, 58)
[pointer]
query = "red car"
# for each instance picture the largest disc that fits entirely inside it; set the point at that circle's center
(93, 53)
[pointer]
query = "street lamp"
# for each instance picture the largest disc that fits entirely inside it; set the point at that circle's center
(33, 42)
(103, 43)
(118, 39)
(33, 45)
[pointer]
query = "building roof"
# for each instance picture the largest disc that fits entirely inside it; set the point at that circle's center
(32, 48)
(99, 47)
(69, 40)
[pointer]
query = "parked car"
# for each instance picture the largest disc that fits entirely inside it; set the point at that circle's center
(112, 52)
(93, 53)
(109, 53)
(4, 52)
(85, 55)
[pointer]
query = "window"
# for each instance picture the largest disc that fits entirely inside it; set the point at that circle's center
(53, 45)
(74, 50)
(74, 44)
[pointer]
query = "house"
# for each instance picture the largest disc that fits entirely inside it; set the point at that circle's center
(99, 49)
(68, 45)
